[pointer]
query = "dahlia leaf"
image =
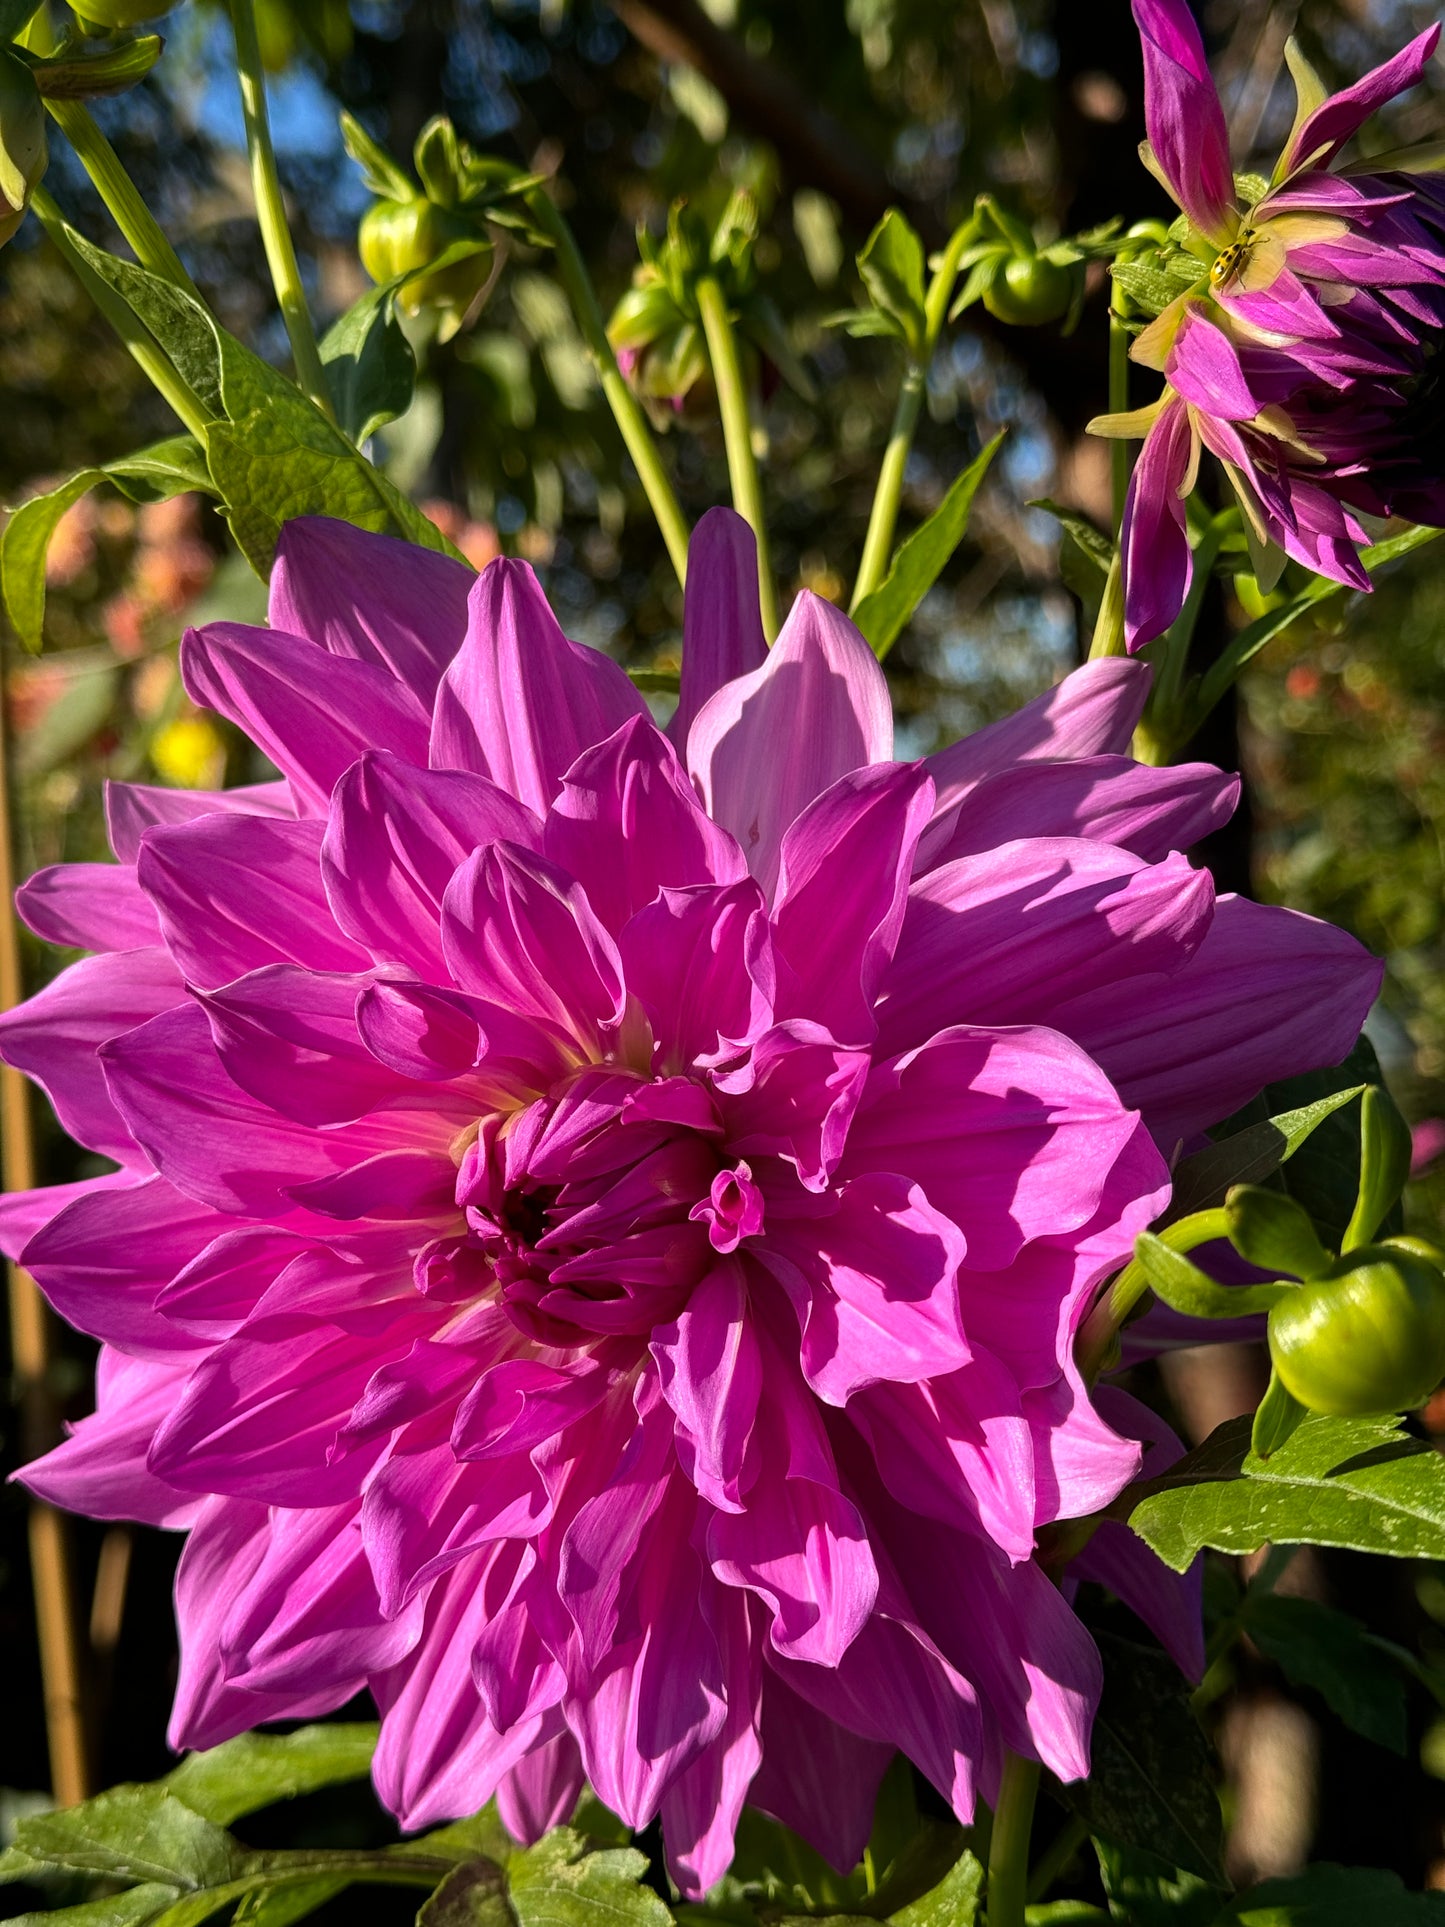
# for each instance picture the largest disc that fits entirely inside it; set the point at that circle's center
(179, 323)
(1328, 1896)
(891, 265)
(280, 1906)
(952, 1903)
(1141, 1896)
(138, 1834)
(258, 1769)
(1322, 1648)
(1249, 1156)
(133, 1908)
(918, 564)
(561, 1883)
(472, 1895)
(1357, 1483)
(1151, 1780)
(370, 367)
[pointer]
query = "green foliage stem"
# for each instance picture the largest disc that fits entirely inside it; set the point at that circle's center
(626, 409)
(737, 425)
(115, 187)
(1008, 1854)
(271, 211)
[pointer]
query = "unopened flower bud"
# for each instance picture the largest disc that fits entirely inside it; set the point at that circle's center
(22, 141)
(1032, 290)
(407, 237)
(1370, 1338)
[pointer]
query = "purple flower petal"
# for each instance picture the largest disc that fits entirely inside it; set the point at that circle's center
(1183, 115)
(722, 624)
(1325, 131)
(1157, 559)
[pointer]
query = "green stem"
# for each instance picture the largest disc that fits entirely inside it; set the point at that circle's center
(1104, 1323)
(154, 364)
(116, 188)
(1163, 728)
(1008, 1854)
(1108, 637)
(1118, 405)
(271, 211)
(883, 518)
(737, 424)
(626, 409)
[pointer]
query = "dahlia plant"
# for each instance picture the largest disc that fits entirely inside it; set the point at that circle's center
(625, 1212)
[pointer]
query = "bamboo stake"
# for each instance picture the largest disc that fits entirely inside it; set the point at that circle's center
(31, 1348)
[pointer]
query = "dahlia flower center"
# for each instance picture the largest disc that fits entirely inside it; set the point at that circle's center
(599, 1206)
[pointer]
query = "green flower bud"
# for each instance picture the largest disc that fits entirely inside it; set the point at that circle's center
(1369, 1338)
(118, 16)
(406, 237)
(1032, 290)
(22, 141)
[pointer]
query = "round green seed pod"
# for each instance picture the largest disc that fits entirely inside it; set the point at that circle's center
(1031, 291)
(405, 237)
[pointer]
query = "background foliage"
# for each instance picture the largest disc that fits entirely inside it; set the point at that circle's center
(508, 446)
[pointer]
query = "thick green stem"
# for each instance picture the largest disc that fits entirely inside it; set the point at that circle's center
(1101, 1328)
(883, 518)
(153, 363)
(116, 188)
(626, 409)
(271, 210)
(1108, 637)
(737, 423)
(1008, 1854)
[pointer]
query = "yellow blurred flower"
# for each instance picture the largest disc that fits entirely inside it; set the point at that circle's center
(189, 753)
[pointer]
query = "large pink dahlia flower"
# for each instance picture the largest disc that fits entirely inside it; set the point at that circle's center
(600, 1225)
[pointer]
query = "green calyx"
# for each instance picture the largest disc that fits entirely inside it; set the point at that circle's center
(99, 17)
(1032, 291)
(445, 254)
(1368, 1338)
(23, 152)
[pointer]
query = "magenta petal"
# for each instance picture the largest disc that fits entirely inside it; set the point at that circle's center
(769, 742)
(1183, 114)
(1092, 712)
(133, 808)
(817, 1777)
(1158, 562)
(1109, 799)
(202, 879)
(395, 837)
(700, 962)
(23, 1214)
(722, 625)
(56, 1037)
(702, 1807)
(1204, 368)
(519, 932)
(711, 1373)
(520, 702)
(794, 1098)
(312, 714)
(1268, 994)
(90, 906)
(541, 1790)
(100, 1469)
(842, 890)
(1332, 123)
(371, 598)
(628, 825)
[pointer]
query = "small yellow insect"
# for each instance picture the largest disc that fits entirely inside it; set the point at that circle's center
(1229, 262)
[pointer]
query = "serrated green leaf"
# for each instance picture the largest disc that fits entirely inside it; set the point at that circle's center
(1141, 1895)
(1358, 1483)
(1151, 1777)
(133, 1908)
(281, 1906)
(1319, 1647)
(562, 1882)
(258, 1769)
(883, 615)
(1328, 1896)
(23, 549)
(472, 1895)
(891, 266)
(134, 1833)
(370, 366)
(179, 323)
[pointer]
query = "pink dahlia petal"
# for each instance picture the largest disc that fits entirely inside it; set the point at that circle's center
(1158, 562)
(1012, 934)
(628, 825)
(133, 808)
(103, 1261)
(520, 932)
(425, 1514)
(1267, 989)
(817, 1777)
(769, 742)
(514, 1669)
(711, 1372)
(702, 1807)
(722, 625)
(213, 1293)
(1326, 130)
(520, 702)
(271, 685)
(100, 1468)
(1204, 367)
(794, 1098)
(56, 1037)
(842, 890)
(395, 837)
(1183, 114)
(90, 906)
(1092, 712)
(227, 1542)
(371, 598)
(700, 962)
(1109, 799)
(201, 877)
(541, 1790)
(24, 1213)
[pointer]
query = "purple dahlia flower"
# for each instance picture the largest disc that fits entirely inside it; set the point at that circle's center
(601, 1220)
(1305, 351)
